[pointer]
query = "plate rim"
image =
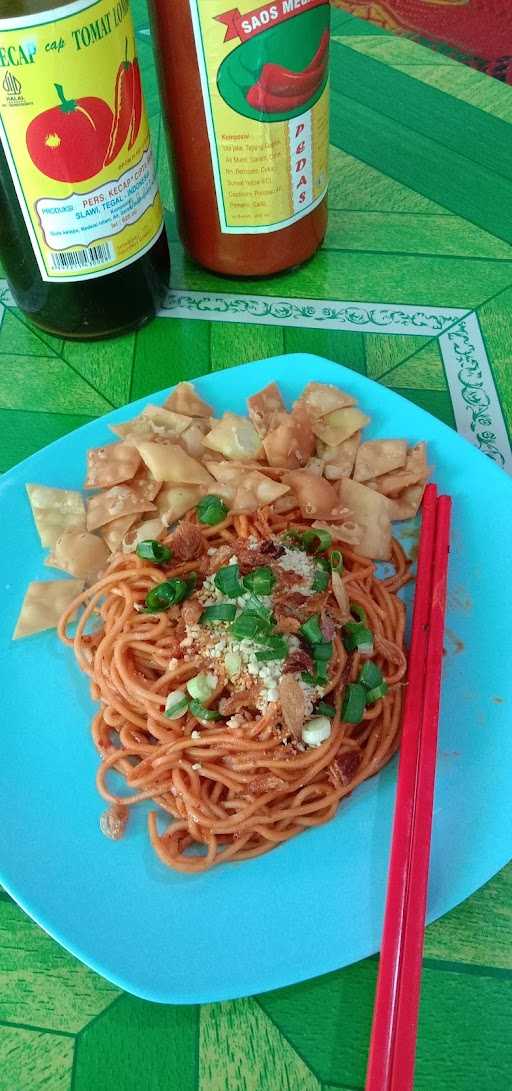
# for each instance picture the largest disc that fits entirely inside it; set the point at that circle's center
(362, 382)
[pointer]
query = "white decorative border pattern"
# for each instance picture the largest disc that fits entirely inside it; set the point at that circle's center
(473, 393)
(328, 314)
(475, 400)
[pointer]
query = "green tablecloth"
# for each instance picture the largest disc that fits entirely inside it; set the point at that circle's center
(413, 288)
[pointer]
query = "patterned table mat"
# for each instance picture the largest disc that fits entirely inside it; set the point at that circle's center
(413, 288)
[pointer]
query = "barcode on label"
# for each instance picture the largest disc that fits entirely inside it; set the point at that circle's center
(83, 259)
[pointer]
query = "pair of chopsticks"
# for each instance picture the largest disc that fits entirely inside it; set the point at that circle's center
(395, 1018)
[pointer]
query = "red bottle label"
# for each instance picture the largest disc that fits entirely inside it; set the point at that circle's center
(264, 75)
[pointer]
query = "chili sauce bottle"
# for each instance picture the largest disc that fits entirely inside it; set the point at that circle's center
(245, 93)
(82, 237)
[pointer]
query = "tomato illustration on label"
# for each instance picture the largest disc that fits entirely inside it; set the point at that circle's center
(68, 142)
(127, 108)
(279, 89)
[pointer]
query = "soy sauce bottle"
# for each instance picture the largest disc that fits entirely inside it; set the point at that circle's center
(82, 238)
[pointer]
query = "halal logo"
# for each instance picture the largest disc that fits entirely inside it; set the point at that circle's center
(11, 84)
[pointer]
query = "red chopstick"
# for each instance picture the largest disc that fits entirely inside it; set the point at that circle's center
(393, 1041)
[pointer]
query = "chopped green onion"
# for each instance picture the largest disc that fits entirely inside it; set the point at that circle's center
(311, 630)
(321, 661)
(358, 612)
(370, 675)
(276, 647)
(316, 541)
(167, 594)
(321, 675)
(324, 709)
(211, 510)
(375, 694)
(176, 711)
(354, 703)
(261, 580)
(250, 627)
(201, 687)
(227, 580)
(312, 541)
(222, 611)
(323, 650)
(323, 563)
(201, 713)
(254, 605)
(151, 550)
(357, 637)
(308, 678)
(176, 705)
(336, 559)
(320, 580)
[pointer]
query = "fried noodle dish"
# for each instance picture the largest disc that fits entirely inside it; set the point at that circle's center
(243, 640)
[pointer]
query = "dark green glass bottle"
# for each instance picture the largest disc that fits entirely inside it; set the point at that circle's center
(82, 240)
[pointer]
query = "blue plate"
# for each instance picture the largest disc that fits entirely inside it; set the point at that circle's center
(316, 903)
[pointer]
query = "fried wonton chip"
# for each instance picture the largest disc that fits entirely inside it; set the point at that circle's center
(229, 473)
(415, 472)
(373, 514)
(114, 502)
(144, 484)
(285, 504)
(319, 399)
(54, 511)
(184, 399)
(43, 605)
(291, 442)
(255, 490)
(149, 528)
(416, 461)
(235, 437)
(114, 532)
(153, 421)
(407, 504)
(192, 439)
(379, 456)
(111, 465)
(340, 425)
(315, 496)
(264, 406)
(168, 462)
(175, 500)
(80, 554)
(339, 461)
(315, 466)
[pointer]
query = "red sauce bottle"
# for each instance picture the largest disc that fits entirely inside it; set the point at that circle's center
(245, 94)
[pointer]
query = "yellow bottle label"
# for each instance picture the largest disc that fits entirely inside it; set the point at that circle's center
(264, 76)
(74, 131)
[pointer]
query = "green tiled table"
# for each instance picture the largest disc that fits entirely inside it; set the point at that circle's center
(413, 288)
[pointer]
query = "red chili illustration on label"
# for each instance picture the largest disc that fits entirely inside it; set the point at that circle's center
(137, 104)
(279, 89)
(68, 141)
(127, 108)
